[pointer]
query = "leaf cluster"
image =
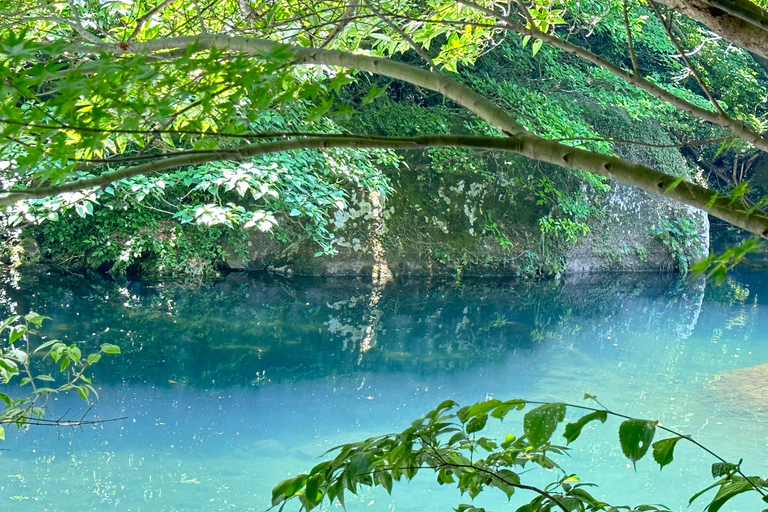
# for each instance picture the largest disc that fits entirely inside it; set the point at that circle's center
(449, 442)
(16, 361)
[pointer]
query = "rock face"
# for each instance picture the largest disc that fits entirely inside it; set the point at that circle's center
(431, 227)
(745, 386)
(644, 242)
(463, 223)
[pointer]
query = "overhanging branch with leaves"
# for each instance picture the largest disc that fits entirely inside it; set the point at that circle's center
(528, 145)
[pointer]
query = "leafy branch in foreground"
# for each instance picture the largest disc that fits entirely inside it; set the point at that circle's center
(16, 360)
(450, 444)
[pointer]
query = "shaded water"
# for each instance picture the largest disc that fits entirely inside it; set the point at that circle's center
(232, 387)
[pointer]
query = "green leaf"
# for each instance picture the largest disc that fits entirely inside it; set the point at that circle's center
(386, 481)
(501, 411)
(673, 185)
(573, 430)
(732, 487)
(312, 491)
(46, 378)
(444, 406)
(2, 434)
(506, 481)
(17, 331)
(663, 450)
(635, 437)
(35, 318)
(536, 46)
(108, 348)
(723, 469)
(46, 345)
(540, 423)
(288, 488)
(480, 408)
(477, 423)
(693, 498)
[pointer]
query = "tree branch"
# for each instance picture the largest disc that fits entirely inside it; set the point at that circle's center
(696, 75)
(345, 17)
(632, 56)
(528, 145)
(738, 128)
(448, 87)
(738, 21)
(415, 46)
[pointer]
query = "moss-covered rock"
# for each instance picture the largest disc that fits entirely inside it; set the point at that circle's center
(464, 223)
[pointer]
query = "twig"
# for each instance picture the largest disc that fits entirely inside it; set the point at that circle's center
(687, 61)
(77, 25)
(416, 47)
(344, 19)
(694, 143)
(144, 19)
(632, 55)
(660, 427)
(200, 20)
(493, 474)
(526, 12)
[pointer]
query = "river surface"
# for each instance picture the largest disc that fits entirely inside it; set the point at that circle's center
(230, 387)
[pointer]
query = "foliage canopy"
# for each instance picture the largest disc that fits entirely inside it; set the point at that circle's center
(114, 103)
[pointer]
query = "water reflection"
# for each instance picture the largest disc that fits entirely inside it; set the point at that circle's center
(253, 329)
(232, 386)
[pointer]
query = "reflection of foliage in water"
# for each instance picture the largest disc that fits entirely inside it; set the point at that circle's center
(255, 329)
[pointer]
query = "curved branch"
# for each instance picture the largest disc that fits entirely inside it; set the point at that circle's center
(408, 39)
(738, 128)
(448, 87)
(684, 56)
(344, 19)
(528, 145)
(630, 45)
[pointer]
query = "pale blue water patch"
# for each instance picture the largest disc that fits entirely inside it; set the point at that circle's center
(232, 387)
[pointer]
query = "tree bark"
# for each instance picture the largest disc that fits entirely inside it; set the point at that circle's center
(738, 21)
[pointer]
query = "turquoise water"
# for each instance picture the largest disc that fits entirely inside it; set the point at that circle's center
(231, 387)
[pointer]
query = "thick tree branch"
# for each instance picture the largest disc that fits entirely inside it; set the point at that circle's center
(528, 145)
(448, 87)
(738, 128)
(746, 11)
(739, 21)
